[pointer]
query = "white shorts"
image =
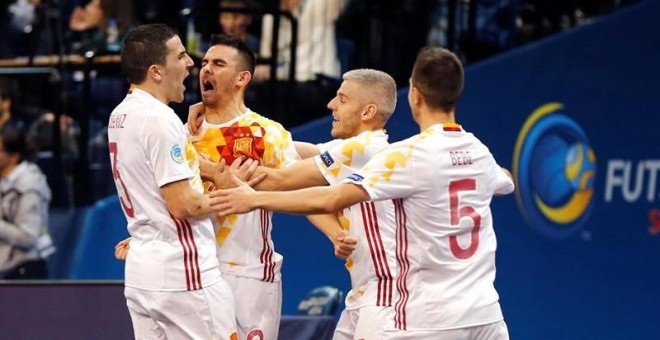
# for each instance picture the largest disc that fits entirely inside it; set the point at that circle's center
(492, 331)
(207, 313)
(364, 323)
(258, 307)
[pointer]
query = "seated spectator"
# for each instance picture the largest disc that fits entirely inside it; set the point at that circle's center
(86, 18)
(8, 116)
(20, 109)
(40, 134)
(93, 26)
(23, 29)
(24, 240)
(236, 24)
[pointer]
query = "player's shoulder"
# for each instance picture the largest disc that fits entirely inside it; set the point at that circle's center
(271, 126)
(258, 118)
(408, 142)
(140, 108)
(403, 149)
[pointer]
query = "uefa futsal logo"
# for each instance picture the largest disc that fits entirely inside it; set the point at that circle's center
(555, 169)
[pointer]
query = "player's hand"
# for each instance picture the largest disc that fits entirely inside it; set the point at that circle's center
(222, 176)
(344, 244)
(215, 172)
(195, 117)
(121, 249)
(209, 170)
(242, 168)
(245, 172)
(238, 200)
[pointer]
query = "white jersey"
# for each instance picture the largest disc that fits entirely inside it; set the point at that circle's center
(245, 246)
(148, 149)
(445, 179)
(373, 263)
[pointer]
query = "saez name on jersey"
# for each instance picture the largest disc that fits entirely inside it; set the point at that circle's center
(117, 121)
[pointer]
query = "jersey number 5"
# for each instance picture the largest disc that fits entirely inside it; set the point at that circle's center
(124, 198)
(457, 213)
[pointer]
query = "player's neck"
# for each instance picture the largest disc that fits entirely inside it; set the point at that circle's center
(364, 128)
(224, 112)
(152, 90)
(428, 118)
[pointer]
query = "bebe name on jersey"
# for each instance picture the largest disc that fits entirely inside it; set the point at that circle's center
(327, 159)
(460, 157)
(116, 122)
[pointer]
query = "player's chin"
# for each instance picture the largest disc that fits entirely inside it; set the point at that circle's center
(179, 98)
(210, 101)
(334, 132)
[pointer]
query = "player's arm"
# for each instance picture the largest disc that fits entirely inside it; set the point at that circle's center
(184, 202)
(302, 174)
(329, 225)
(504, 183)
(209, 169)
(314, 200)
(195, 118)
(507, 173)
(306, 150)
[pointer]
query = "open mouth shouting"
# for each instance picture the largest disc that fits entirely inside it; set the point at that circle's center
(207, 87)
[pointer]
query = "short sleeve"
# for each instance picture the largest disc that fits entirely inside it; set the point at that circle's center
(342, 158)
(165, 143)
(325, 146)
(280, 150)
(389, 174)
(502, 184)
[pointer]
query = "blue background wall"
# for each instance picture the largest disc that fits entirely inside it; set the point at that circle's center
(600, 279)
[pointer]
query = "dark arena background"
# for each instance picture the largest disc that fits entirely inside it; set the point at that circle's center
(565, 94)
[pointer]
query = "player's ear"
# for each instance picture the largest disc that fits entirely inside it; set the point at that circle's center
(155, 73)
(244, 78)
(369, 112)
(415, 95)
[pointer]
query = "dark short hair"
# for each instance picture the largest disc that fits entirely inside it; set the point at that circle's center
(438, 75)
(234, 3)
(14, 141)
(247, 58)
(143, 47)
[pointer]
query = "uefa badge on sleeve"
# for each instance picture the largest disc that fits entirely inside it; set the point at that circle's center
(176, 152)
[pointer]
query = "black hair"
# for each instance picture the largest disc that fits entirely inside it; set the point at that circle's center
(143, 47)
(248, 60)
(438, 75)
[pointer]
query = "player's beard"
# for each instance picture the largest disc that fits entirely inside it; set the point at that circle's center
(210, 101)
